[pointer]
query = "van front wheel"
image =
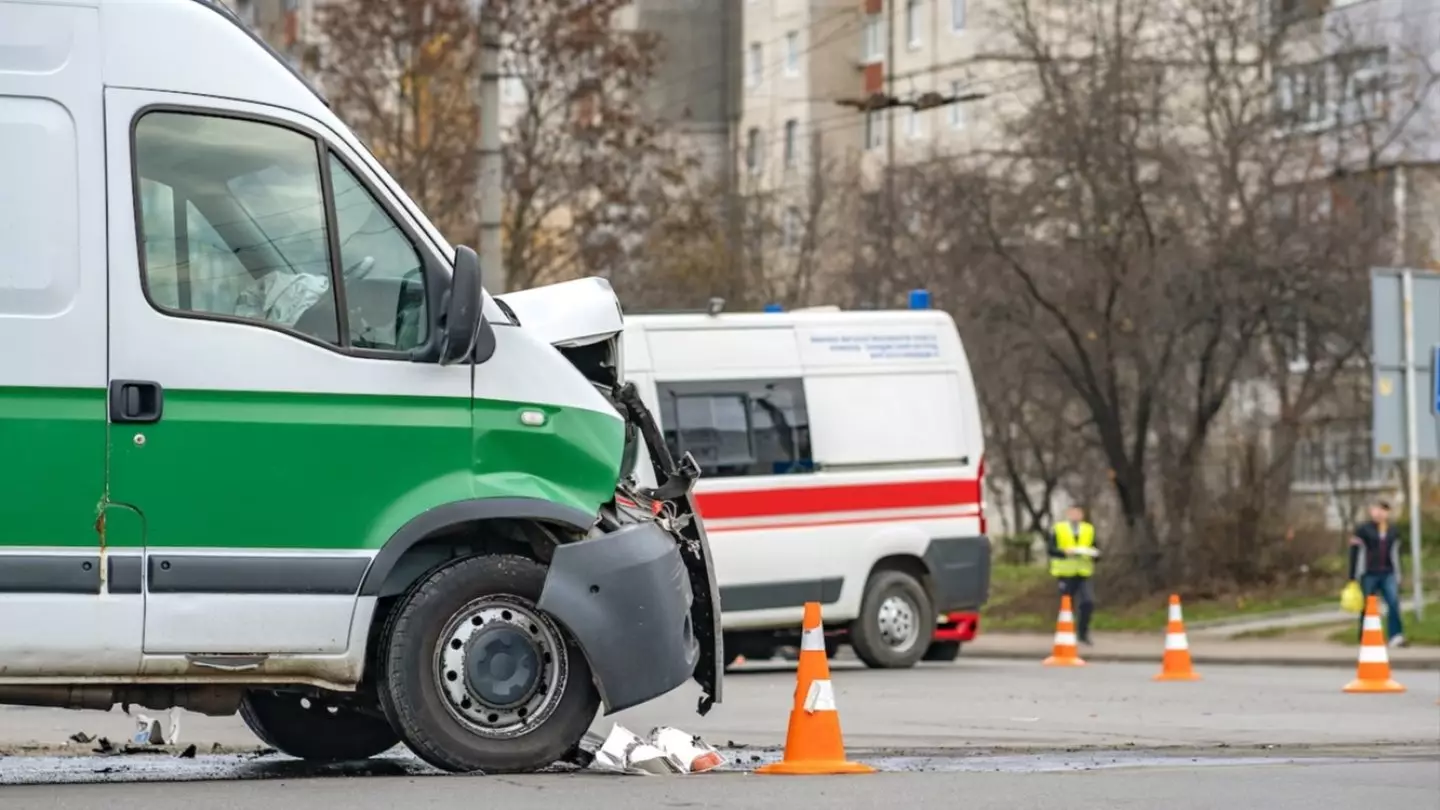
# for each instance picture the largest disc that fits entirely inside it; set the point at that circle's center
(308, 729)
(477, 678)
(896, 621)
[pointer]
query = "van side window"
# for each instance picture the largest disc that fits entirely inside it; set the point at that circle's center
(738, 427)
(233, 225)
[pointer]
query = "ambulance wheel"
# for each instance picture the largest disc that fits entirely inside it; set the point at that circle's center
(942, 651)
(308, 729)
(477, 678)
(895, 623)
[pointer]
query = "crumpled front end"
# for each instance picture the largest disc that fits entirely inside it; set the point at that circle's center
(640, 594)
(647, 567)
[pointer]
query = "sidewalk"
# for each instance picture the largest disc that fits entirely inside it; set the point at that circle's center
(1148, 648)
(1229, 628)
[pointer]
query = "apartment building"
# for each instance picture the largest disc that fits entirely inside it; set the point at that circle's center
(1366, 64)
(690, 89)
(809, 64)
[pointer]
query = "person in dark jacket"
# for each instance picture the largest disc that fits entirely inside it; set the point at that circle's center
(1375, 563)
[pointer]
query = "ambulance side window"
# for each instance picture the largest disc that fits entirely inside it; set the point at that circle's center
(738, 427)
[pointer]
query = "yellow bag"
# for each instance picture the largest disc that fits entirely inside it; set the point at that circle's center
(1351, 599)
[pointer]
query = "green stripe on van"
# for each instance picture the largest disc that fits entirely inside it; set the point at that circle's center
(277, 470)
(52, 465)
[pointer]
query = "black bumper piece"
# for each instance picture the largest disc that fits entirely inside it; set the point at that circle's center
(626, 597)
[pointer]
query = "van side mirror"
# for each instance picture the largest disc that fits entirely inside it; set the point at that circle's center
(462, 318)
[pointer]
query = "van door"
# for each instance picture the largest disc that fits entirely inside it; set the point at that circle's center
(69, 605)
(271, 424)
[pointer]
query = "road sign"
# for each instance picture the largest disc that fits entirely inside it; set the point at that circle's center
(1415, 322)
(1388, 359)
(1435, 379)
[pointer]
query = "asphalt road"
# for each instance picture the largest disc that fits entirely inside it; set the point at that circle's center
(973, 704)
(1413, 784)
(993, 731)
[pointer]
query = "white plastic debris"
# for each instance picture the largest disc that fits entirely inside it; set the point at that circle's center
(666, 751)
(687, 749)
(173, 736)
(148, 730)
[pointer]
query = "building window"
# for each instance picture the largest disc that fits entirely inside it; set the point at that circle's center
(512, 90)
(914, 124)
(757, 64)
(753, 150)
(1301, 97)
(792, 132)
(245, 10)
(874, 39)
(791, 229)
(957, 15)
(1364, 77)
(738, 427)
(874, 129)
(792, 53)
(1337, 455)
(912, 24)
(957, 109)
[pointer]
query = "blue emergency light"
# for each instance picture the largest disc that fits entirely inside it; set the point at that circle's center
(919, 299)
(774, 308)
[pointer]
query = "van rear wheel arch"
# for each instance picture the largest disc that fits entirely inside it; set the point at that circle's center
(462, 528)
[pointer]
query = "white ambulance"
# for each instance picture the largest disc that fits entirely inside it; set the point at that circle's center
(841, 459)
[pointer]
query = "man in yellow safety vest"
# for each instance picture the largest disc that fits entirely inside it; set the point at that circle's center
(1072, 563)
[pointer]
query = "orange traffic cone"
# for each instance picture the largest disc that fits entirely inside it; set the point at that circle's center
(1373, 672)
(1176, 665)
(1065, 653)
(813, 744)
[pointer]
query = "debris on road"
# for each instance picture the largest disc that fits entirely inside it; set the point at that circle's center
(666, 751)
(148, 731)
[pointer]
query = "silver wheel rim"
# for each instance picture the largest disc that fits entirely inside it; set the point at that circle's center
(898, 625)
(467, 645)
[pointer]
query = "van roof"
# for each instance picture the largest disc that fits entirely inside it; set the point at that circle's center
(217, 6)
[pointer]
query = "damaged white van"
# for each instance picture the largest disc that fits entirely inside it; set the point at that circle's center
(266, 446)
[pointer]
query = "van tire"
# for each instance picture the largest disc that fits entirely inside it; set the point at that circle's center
(427, 718)
(313, 732)
(906, 607)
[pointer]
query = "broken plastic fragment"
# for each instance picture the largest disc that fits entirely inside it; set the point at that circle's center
(173, 735)
(147, 731)
(666, 751)
(687, 749)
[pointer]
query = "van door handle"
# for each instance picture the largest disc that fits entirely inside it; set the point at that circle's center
(136, 401)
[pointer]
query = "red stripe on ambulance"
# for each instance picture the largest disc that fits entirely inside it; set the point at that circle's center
(764, 503)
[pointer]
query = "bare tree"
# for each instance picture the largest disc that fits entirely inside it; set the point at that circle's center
(1137, 249)
(400, 74)
(791, 232)
(583, 156)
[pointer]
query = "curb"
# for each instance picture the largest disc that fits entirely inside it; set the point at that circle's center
(1413, 664)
